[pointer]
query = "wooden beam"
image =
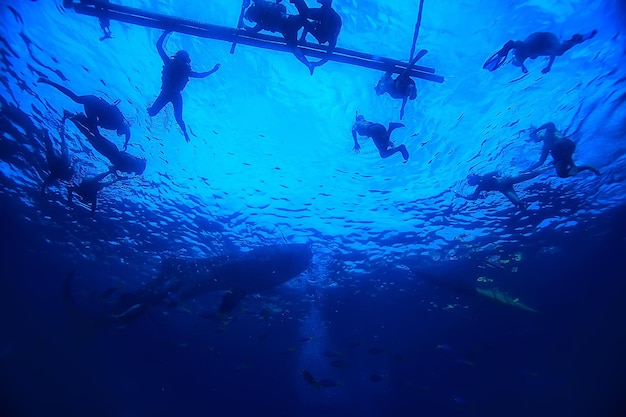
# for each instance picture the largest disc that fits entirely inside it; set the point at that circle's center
(102, 9)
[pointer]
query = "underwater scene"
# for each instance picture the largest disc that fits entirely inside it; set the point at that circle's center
(312, 208)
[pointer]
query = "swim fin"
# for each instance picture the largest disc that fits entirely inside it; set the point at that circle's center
(495, 61)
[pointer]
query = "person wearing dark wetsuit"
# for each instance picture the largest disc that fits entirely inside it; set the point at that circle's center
(272, 16)
(60, 165)
(380, 135)
(88, 189)
(535, 45)
(493, 181)
(98, 112)
(176, 73)
(402, 87)
(561, 150)
(121, 160)
(324, 23)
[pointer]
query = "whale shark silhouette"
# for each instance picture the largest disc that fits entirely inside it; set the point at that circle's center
(240, 274)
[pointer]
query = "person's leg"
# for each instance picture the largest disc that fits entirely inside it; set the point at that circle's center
(385, 153)
(302, 7)
(580, 168)
(514, 198)
(159, 103)
(404, 100)
(178, 114)
(393, 126)
(62, 89)
(525, 176)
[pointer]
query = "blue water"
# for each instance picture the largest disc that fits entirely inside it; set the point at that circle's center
(388, 310)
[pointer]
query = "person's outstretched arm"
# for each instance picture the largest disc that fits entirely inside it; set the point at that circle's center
(194, 74)
(159, 46)
(550, 129)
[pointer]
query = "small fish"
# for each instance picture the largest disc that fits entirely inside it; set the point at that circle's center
(376, 351)
(444, 347)
(304, 339)
(309, 378)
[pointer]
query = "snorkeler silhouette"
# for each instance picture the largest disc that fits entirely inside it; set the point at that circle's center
(174, 78)
(273, 17)
(60, 165)
(380, 135)
(561, 150)
(535, 45)
(493, 181)
(98, 112)
(121, 160)
(402, 87)
(88, 189)
(324, 23)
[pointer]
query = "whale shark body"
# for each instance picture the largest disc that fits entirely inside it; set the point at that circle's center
(240, 274)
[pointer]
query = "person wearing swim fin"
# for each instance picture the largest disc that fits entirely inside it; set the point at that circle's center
(535, 45)
(402, 87)
(561, 150)
(176, 73)
(324, 23)
(493, 181)
(121, 160)
(380, 135)
(272, 16)
(98, 112)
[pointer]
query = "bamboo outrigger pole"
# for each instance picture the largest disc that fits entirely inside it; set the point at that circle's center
(105, 10)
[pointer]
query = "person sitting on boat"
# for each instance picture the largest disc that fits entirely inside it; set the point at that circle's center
(273, 17)
(324, 23)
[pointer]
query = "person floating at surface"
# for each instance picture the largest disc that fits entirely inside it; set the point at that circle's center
(272, 16)
(60, 165)
(98, 112)
(493, 181)
(121, 160)
(324, 23)
(402, 87)
(174, 78)
(561, 150)
(380, 135)
(88, 189)
(535, 45)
